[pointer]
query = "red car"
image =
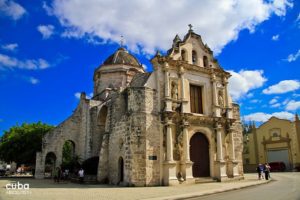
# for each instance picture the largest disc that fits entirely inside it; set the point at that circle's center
(277, 166)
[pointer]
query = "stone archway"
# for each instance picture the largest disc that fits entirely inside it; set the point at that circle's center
(69, 158)
(199, 153)
(50, 163)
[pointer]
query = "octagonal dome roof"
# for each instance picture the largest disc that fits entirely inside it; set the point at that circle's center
(121, 56)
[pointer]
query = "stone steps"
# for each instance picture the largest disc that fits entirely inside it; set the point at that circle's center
(204, 180)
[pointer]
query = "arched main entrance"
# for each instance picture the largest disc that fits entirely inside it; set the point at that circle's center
(199, 151)
(121, 170)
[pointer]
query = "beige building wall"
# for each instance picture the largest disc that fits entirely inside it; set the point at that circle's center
(275, 135)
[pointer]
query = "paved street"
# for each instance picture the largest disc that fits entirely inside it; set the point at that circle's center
(286, 187)
(47, 190)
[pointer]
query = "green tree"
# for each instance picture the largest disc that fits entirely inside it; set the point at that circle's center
(20, 143)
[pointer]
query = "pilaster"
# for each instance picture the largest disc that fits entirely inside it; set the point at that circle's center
(167, 96)
(220, 163)
(188, 176)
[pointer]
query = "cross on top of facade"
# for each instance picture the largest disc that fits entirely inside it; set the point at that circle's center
(122, 41)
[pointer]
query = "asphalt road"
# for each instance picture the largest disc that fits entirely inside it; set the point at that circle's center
(284, 186)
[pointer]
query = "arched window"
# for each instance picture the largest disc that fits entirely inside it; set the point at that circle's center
(183, 55)
(194, 57)
(205, 61)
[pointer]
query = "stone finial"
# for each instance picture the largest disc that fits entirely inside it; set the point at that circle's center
(82, 95)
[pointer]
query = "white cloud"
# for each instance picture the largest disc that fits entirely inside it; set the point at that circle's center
(250, 95)
(296, 95)
(10, 47)
(275, 37)
(293, 57)
(46, 30)
(7, 62)
(274, 100)
(151, 25)
(11, 9)
(255, 101)
(262, 117)
(298, 18)
(275, 105)
(89, 96)
(293, 105)
(245, 80)
(283, 87)
(144, 66)
(33, 80)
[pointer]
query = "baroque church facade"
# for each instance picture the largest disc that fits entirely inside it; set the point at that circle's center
(174, 125)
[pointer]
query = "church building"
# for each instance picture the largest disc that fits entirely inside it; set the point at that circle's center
(174, 125)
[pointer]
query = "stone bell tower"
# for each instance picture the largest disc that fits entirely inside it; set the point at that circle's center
(115, 73)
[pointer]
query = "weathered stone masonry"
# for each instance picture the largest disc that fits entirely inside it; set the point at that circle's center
(174, 125)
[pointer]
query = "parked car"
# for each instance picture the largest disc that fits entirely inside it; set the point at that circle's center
(277, 166)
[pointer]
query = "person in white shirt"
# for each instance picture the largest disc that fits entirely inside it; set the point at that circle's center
(81, 175)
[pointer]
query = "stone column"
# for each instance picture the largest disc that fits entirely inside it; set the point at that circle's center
(169, 138)
(184, 105)
(219, 143)
(216, 108)
(227, 105)
(102, 175)
(169, 175)
(188, 175)
(221, 167)
(233, 164)
(167, 88)
(39, 166)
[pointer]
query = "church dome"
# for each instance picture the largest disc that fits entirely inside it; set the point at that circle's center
(121, 56)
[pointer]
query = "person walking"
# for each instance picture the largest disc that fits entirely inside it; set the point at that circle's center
(81, 175)
(267, 171)
(259, 170)
(57, 174)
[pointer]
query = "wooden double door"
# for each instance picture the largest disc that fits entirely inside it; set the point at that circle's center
(199, 153)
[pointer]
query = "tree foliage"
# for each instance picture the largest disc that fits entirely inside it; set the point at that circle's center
(20, 143)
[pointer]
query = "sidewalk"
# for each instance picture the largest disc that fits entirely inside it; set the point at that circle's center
(47, 190)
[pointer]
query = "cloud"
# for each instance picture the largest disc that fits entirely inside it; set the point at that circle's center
(151, 25)
(293, 105)
(262, 117)
(243, 81)
(7, 62)
(10, 47)
(275, 37)
(275, 105)
(89, 96)
(255, 101)
(283, 87)
(11, 9)
(293, 57)
(46, 30)
(33, 80)
(274, 100)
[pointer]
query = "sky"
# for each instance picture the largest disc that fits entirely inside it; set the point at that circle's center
(50, 49)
